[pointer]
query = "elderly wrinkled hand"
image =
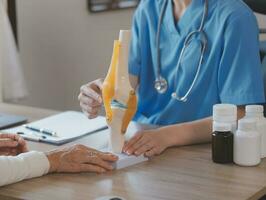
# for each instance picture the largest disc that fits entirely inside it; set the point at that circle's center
(80, 158)
(12, 144)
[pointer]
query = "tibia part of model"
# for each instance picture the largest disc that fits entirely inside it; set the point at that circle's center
(117, 139)
(122, 83)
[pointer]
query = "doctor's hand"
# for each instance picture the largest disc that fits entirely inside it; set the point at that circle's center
(79, 158)
(12, 144)
(149, 143)
(90, 98)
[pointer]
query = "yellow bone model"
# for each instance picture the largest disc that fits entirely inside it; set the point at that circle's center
(116, 87)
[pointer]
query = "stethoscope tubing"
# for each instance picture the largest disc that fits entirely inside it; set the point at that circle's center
(188, 39)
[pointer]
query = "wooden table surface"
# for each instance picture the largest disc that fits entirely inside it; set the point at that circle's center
(185, 173)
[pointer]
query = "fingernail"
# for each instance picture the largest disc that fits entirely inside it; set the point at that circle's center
(128, 153)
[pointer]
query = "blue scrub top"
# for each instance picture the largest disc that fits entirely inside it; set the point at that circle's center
(231, 70)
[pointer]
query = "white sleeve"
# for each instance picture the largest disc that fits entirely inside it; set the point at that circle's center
(24, 166)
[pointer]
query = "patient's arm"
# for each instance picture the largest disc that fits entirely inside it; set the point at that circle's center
(117, 87)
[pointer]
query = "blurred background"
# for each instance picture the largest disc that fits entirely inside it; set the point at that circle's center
(62, 46)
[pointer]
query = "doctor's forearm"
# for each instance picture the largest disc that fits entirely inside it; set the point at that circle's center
(193, 132)
(189, 133)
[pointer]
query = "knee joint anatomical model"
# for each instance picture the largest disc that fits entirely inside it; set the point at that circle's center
(119, 97)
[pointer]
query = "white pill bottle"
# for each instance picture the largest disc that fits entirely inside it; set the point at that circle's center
(256, 112)
(225, 114)
(247, 143)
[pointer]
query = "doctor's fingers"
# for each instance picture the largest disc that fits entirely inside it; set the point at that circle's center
(90, 112)
(90, 116)
(152, 152)
(92, 92)
(132, 141)
(96, 84)
(88, 100)
(144, 148)
(140, 144)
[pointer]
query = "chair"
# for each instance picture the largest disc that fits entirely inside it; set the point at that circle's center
(259, 6)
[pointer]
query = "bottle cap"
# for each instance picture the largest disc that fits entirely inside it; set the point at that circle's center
(254, 109)
(221, 127)
(224, 111)
(247, 124)
(125, 36)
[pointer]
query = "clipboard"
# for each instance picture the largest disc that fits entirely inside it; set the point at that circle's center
(69, 125)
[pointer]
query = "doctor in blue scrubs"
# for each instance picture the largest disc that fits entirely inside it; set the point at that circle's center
(186, 56)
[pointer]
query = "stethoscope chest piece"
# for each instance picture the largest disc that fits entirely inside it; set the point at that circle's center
(161, 85)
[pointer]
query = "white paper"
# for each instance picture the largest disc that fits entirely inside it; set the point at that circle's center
(68, 125)
(125, 160)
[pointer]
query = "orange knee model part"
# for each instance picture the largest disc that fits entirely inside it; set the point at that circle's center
(108, 90)
(130, 112)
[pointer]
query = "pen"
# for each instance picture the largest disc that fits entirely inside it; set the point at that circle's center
(30, 137)
(41, 130)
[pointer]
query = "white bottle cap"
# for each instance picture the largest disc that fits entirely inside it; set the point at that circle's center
(125, 36)
(247, 124)
(254, 109)
(221, 127)
(224, 112)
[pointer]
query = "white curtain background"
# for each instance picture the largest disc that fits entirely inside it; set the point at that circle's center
(12, 82)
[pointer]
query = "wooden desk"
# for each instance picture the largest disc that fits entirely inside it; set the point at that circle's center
(179, 173)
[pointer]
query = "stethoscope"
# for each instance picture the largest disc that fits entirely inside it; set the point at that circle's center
(161, 84)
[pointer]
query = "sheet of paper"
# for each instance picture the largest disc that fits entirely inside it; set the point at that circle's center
(126, 160)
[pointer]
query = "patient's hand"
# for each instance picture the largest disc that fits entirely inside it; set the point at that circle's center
(80, 158)
(90, 98)
(12, 144)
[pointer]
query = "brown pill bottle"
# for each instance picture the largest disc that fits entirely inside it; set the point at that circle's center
(222, 143)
